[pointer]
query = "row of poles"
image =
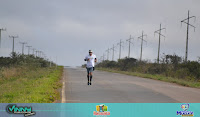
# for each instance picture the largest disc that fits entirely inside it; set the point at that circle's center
(120, 44)
(35, 52)
(159, 32)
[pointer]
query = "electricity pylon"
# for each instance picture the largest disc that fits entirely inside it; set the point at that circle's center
(188, 24)
(159, 33)
(108, 52)
(120, 45)
(142, 39)
(113, 49)
(13, 37)
(23, 43)
(129, 47)
(0, 35)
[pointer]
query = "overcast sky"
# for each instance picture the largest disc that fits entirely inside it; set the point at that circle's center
(67, 29)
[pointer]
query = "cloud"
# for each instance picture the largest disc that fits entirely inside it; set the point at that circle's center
(68, 29)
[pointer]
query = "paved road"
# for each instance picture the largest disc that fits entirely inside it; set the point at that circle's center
(118, 88)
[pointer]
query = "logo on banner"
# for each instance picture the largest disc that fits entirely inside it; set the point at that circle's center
(185, 107)
(101, 110)
(14, 109)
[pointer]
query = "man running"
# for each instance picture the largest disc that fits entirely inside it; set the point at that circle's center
(91, 60)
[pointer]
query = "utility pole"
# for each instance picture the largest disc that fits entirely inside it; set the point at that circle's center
(120, 45)
(0, 35)
(23, 43)
(108, 52)
(129, 47)
(113, 49)
(13, 37)
(159, 33)
(28, 49)
(142, 39)
(187, 21)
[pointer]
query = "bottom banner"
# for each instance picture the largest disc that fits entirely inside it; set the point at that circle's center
(100, 110)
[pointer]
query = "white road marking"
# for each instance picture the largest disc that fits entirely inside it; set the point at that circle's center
(63, 91)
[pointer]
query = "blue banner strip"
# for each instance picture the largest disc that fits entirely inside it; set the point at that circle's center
(101, 109)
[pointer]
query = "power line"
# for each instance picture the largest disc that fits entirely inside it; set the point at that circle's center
(113, 49)
(23, 43)
(142, 39)
(13, 37)
(188, 24)
(120, 45)
(159, 33)
(0, 35)
(129, 47)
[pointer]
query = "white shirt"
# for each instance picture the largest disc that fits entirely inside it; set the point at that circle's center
(91, 61)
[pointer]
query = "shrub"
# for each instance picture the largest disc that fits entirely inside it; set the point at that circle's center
(20, 60)
(172, 66)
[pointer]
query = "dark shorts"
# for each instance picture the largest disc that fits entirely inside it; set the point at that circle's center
(89, 70)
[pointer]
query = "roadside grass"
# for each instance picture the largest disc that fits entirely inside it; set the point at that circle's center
(188, 83)
(30, 85)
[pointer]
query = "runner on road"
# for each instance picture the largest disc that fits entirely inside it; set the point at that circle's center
(91, 60)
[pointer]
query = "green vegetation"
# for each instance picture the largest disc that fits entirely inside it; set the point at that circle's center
(29, 79)
(171, 69)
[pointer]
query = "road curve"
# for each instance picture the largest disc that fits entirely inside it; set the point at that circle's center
(118, 88)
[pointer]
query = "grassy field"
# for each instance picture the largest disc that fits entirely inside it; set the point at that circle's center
(182, 82)
(30, 85)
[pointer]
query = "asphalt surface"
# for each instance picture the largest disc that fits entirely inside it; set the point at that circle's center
(118, 88)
